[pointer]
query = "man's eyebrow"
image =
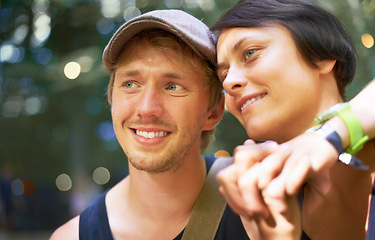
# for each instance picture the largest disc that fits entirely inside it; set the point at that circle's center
(129, 73)
(173, 75)
(134, 73)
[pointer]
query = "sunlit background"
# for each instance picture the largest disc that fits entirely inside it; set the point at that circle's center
(57, 145)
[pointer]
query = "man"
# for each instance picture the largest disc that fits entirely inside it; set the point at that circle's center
(165, 101)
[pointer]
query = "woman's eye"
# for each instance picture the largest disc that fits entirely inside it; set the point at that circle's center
(249, 53)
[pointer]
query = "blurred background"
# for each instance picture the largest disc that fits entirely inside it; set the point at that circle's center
(57, 145)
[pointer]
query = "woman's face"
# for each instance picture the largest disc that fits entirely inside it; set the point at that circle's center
(271, 89)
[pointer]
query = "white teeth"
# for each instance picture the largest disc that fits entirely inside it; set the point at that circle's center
(250, 101)
(150, 134)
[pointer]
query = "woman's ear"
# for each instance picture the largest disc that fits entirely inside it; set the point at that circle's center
(326, 66)
(215, 115)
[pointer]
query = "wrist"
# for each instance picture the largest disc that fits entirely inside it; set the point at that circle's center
(339, 126)
(329, 134)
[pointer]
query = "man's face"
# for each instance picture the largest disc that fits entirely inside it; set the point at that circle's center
(270, 88)
(159, 108)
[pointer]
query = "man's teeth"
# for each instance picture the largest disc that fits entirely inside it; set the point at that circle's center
(250, 101)
(151, 134)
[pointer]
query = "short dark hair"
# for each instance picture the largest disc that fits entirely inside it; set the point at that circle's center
(316, 32)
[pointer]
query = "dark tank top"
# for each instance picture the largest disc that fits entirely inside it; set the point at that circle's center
(94, 224)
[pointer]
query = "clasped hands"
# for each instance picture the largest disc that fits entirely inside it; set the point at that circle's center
(264, 181)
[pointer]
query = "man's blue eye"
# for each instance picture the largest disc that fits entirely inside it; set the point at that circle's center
(129, 84)
(172, 87)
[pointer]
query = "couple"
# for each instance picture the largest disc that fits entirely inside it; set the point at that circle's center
(281, 63)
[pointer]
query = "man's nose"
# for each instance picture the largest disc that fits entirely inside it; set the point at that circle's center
(150, 103)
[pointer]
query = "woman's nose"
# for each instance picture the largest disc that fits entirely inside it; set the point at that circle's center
(234, 81)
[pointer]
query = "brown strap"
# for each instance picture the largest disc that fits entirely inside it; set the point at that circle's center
(209, 207)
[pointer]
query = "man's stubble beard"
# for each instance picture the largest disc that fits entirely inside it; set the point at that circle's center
(172, 160)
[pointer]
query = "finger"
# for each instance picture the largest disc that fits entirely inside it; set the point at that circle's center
(296, 178)
(227, 179)
(245, 156)
(272, 166)
(249, 142)
(285, 216)
(253, 200)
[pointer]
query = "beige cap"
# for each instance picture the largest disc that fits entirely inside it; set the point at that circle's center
(191, 30)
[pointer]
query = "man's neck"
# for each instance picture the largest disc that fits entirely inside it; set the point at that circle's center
(180, 187)
(156, 200)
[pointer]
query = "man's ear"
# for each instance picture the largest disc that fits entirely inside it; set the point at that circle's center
(326, 66)
(215, 115)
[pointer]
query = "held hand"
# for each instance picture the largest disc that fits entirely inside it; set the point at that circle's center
(265, 178)
(276, 214)
(284, 221)
(239, 182)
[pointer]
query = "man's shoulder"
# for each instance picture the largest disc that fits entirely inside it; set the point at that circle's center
(69, 230)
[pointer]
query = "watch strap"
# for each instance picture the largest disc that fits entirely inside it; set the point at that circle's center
(357, 140)
(345, 113)
(331, 112)
(334, 139)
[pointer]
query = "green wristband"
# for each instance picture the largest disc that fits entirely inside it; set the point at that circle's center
(343, 111)
(357, 140)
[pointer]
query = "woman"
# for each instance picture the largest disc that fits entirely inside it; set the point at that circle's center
(283, 62)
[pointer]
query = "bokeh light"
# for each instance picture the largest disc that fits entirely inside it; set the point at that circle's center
(63, 182)
(12, 107)
(222, 153)
(86, 63)
(72, 70)
(93, 105)
(11, 54)
(110, 8)
(20, 33)
(42, 29)
(33, 105)
(367, 40)
(29, 188)
(104, 131)
(130, 12)
(105, 26)
(17, 187)
(101, 175)
(43, 55)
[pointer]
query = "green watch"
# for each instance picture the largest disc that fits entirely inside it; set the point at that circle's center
(343, 111)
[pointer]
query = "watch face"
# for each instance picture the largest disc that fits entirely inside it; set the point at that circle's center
(345, 158)
(351, 160)
(333, 111)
